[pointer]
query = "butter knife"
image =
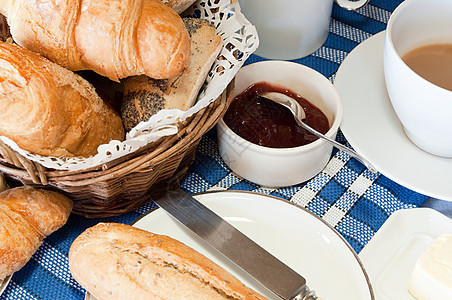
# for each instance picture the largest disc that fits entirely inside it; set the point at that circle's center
(237, 247)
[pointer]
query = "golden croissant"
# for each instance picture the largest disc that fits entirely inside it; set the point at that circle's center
(115, 38)
(49, 110)
(27, 216)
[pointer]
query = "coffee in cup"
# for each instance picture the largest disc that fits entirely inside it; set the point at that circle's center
(432, 62)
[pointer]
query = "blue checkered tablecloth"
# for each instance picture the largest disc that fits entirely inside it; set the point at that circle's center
(352, 199)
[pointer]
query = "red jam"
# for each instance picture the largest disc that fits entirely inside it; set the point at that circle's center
(267, 123)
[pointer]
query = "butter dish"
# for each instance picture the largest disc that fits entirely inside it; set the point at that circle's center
(431, 277)
(391, 254)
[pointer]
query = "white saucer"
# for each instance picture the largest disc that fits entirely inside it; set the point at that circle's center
(391, 254)
(296, 236)
(371, 126)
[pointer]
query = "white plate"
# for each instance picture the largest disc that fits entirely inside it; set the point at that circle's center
(4, 284)
(294, 235)
(391, 254)
(371, 126)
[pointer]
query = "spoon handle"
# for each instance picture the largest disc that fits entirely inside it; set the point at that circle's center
(299, 114)
(338, 145)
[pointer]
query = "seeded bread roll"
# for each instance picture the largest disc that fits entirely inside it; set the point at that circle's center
(117, 261)
(144, 96)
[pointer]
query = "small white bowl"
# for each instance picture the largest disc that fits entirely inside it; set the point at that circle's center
(278, 167)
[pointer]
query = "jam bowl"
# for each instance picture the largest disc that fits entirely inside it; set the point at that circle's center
(269, 150)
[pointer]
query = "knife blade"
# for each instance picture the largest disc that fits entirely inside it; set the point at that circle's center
(237, 247)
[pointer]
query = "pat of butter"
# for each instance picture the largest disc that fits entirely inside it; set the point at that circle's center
(431, 278)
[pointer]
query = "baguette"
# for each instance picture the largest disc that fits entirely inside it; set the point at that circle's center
(117, 261)
(115, 38)
(49, 110)
(144, 96)
(27, 216)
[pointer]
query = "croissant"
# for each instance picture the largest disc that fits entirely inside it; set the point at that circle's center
(115, 38)
(49, 110)
(27, 216)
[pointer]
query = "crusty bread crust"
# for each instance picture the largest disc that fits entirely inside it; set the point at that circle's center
(49, 110)
(27, 216)
(117, 261)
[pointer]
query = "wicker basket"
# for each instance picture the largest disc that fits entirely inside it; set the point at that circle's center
(128, 182)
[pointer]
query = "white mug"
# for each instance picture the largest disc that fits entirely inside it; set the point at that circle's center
(423, 108)
(291, 29)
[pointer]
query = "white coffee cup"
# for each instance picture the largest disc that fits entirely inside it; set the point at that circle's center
(423, 108)
(291, 29)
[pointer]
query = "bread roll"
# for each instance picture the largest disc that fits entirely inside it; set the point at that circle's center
(27, 216)
(117, 261)
(115, 38)
(49, 110)
(144, 96)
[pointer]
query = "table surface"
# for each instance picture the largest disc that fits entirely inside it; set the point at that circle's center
(355, 201)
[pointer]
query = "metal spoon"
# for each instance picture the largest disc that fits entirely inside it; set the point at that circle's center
(300, 115)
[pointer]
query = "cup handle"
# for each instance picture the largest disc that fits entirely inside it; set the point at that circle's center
(351, 5)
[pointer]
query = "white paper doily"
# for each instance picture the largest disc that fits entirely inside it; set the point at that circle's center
(240, 40)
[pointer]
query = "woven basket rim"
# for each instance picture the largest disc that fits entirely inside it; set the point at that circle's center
(12, 162)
